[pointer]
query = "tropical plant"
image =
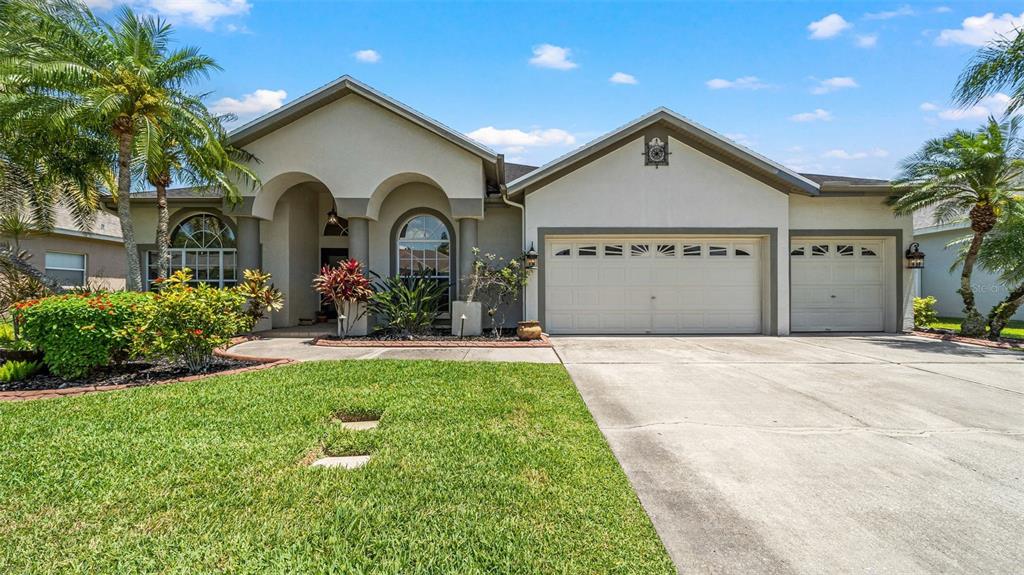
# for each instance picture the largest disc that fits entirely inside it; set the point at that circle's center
(408, 306)
(924, 311)
(500, 282)
(18, 370)
(1003, 254)
(261, 297)
(965, 174)
(78, 333)
(998, 65)
(344, 286)
(77, 69)
(187, 323)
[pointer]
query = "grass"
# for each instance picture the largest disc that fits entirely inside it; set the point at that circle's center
(1014, 330)
(477, 468)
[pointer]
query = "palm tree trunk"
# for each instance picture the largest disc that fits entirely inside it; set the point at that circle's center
(973, 324)
(133, 275)
(163, 236)
(1002, 312)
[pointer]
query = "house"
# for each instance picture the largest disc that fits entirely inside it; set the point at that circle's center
(661, 226)
(92, 257)
(940, 279)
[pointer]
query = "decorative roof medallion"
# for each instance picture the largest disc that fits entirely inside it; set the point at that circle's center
(656, 153)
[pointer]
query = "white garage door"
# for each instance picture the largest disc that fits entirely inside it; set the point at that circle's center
(837, 285)
(652, 285)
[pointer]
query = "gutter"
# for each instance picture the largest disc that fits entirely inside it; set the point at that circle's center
(500, 167)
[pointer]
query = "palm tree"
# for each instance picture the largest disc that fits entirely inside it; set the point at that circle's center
(965, 174)
(123, 76)
(1003, 254)
(1000, 64)
(191, 147)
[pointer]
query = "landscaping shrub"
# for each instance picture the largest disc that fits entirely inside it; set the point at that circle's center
(344, 286)
(78, 333)
(261, 297)
(924, 311)
(18, 370)
(408, 306)
(186, 323)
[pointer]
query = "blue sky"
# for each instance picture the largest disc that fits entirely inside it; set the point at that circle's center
(840, 87)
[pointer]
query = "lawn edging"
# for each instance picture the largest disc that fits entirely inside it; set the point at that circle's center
(260, 363)
(323, 341)
(969, 340)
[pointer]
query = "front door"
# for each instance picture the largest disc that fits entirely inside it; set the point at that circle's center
(331, 257)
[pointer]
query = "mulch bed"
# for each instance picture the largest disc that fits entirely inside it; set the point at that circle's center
(946, 335)
(436, 339)
(132, 374)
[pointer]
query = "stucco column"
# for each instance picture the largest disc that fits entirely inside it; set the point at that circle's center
(359, 241)
(248, 243)
(467, 240)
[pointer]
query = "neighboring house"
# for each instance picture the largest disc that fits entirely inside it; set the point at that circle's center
(939, 279)
(92, 257)
(661, 226)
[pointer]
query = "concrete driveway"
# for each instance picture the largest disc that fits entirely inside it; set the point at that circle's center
(855, 454)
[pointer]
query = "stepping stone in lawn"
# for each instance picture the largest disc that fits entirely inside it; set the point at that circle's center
(346, 462)
(360, 425)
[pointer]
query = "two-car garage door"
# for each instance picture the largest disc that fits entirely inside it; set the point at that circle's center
(653, 285)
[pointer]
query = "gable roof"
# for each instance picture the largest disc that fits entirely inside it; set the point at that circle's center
(338, 89)
(777, 175)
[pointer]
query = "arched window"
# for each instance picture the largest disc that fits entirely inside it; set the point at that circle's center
(204, 244)
(424, 249)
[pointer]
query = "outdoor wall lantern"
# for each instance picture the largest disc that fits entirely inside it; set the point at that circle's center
(531, 258)
(336, 226)
(915, 258)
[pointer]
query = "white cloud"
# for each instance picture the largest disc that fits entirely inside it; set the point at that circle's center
(551, 56)
(828, 27)
(928, 107)
(994, 105)
(516, 141)
(367, 56)
(942, 10)
(816, 115)
(833, 84)
(202, 13)
(622, 78)
(250, 105)
(867, 40)
(840, 154)
(904, 10)
(744, 83)
(979, 30)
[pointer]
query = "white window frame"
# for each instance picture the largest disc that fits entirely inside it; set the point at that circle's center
(448, 277)
(84, 270)
(184, 253)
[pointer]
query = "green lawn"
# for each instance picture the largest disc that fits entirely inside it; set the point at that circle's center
(1015, 329)
(477, 468)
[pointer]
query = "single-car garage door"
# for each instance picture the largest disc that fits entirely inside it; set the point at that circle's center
(652, 285)
(837, 285)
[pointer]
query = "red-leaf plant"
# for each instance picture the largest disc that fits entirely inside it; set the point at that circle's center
(345, 287)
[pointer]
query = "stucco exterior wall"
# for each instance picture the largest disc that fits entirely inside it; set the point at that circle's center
(500, 233)
(355, 148)
(860, 213)
(937, 279)
(104, 260)
(695, 191)
(414, 196)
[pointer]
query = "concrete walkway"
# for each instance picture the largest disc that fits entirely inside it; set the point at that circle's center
(301, 350)
(857, 454)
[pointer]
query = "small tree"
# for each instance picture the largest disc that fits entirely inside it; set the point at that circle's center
(344, 286)
(500, 282)
(261, 297)
(1003, 254)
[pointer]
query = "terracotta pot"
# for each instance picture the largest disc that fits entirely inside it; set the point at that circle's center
(528, 330)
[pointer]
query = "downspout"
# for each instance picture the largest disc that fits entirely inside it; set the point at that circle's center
(500, 165)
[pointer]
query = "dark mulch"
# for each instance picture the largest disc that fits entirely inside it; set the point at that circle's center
(128, 373)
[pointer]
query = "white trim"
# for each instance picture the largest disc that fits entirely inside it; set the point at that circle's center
(942, 228)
